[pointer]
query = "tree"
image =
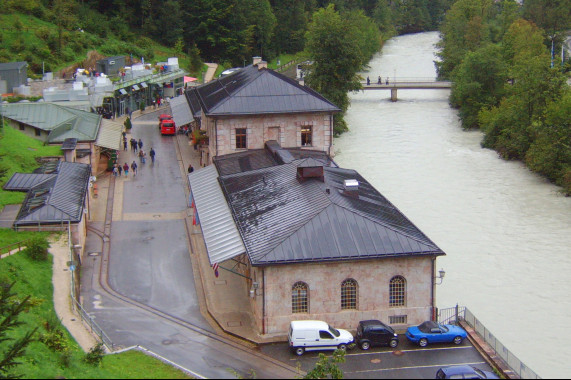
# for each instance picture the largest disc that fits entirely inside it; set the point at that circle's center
(334, 45)
(327, 367)
(10, 309)
(465, 28)
(478, 82)
(64, 18)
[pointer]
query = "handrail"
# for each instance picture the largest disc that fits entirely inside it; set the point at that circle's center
(10, 247)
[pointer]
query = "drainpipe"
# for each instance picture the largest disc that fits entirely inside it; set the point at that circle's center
(330, 133)
(216, 133)
(264, 301)
(433, 288)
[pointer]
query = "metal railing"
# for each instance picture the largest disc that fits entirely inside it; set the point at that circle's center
(93, 326)
(8, 249)
(461, 313)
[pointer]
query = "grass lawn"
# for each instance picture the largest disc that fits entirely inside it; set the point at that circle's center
(9, 236)
(67, 360)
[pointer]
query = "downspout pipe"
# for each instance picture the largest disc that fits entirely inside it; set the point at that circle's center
(433, 289)
(330, 133)
(216, 134)
(264, 301)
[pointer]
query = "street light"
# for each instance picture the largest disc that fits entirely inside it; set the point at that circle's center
(441, 274)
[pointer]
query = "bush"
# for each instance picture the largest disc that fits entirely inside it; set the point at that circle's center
(128, 125)
(55, 340)
(37, 248)
(95, 354)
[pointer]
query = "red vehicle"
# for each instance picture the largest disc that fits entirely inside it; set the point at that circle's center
(164, 116)
(168, 127)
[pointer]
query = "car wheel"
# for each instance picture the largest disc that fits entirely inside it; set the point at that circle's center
(458, 340)
(423, 342)
(342, 347)
(394, 343)
(299, 351)
(365, 346)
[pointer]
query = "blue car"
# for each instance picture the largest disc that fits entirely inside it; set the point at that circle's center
(464, 372)
(433, 332)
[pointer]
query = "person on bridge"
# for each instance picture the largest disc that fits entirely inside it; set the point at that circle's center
(152, 154)
(368, 81)
(387, 82)
(380, 80)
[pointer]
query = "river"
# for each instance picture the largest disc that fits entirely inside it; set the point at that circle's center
(505, 230)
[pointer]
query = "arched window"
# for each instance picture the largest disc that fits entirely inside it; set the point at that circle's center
(397, 291)
(349, 294)
(300, 298)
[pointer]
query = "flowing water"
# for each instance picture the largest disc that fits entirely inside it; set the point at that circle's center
(505, 230)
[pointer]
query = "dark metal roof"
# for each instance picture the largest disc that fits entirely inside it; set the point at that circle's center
(263, 158)
(69, 144)
(26, 181)
(284, 221)
(250, 91)
(58, 199)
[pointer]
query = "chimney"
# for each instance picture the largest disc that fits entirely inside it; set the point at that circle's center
(257, 60)
(351, 187)
(262, 65)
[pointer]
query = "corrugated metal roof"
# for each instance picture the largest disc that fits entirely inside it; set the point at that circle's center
(59, 199)
(61, 122)
(221, 236)
(12, 65)
(250, 91)
(181, 112)
(69, 144)
(284, 221)
(110, 135)
(26, 181)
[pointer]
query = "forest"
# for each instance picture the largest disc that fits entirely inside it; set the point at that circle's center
(508, 80)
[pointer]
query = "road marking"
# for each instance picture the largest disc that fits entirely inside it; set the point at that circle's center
(415, 367)
(140, 216)
(415, 350)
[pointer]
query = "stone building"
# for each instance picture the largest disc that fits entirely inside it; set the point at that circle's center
(313, 240)
(253, 105)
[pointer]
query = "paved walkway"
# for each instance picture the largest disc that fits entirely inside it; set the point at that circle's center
(210, 72)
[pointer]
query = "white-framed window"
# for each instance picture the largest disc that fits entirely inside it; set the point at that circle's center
(397, 291)
(349, 294)
(300, 298)
(307, 135)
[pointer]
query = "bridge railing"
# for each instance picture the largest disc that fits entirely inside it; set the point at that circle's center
(404, 80)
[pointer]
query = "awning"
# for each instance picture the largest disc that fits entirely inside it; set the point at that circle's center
(181, 112)
(109, 135)
(189, 79)
(136, 88)
(223, 241)
(144, 85)
(122, 91)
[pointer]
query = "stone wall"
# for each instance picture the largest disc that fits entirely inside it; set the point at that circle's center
(284, 128)
(324, 281)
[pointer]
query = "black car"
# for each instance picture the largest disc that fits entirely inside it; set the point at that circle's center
(375, 333)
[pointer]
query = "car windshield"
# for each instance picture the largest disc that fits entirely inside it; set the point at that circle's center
(334, 331)
(480, 373)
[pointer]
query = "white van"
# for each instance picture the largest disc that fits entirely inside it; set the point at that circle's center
(316, 335)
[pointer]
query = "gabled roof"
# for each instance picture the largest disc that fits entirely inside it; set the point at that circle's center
(26, 181)
(61, 122)
(284, 221)
(250, 91)
(56, 198)
(181, 112)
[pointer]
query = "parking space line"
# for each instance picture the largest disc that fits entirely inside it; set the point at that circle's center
(415, 350)
(392, 352)
(415, 367)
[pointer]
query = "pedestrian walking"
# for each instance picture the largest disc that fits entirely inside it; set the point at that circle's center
(154, 103)
(124, 143)
(140, 144)
(115, 171)
(190, 168)
(387, 82)
(368, 81)
(120, 170)
(134, 168)
(134, 145)
(379, 81)
(142, 156)
(126, 169)
(152, 154)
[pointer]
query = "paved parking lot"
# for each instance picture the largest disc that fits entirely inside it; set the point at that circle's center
(408, 361)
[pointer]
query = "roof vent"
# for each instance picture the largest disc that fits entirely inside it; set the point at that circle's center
(351, 187)
(256, 60)
(310, 168)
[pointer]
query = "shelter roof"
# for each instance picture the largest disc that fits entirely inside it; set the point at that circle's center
(59, 198)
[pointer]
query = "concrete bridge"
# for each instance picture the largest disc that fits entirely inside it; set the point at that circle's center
(394, 85)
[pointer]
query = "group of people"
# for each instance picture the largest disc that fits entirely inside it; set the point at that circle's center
(119, 169)
(379, 81)
(137, 148)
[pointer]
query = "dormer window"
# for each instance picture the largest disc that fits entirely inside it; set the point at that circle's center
(306, 135)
